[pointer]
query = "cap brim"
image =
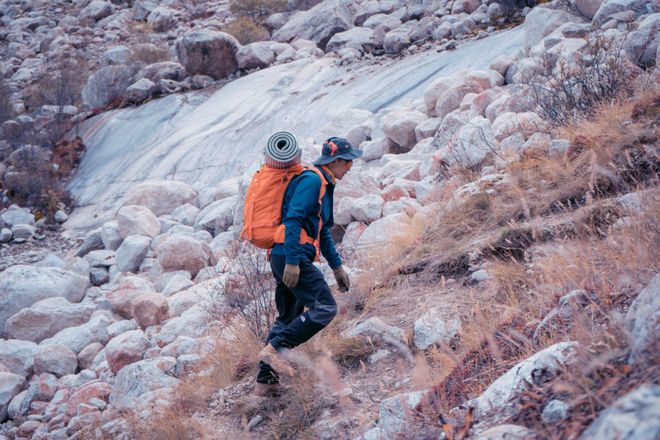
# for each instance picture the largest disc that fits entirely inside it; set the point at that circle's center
(349, 155)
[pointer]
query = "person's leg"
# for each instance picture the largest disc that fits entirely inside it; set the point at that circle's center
(288, 309)
(313, 292)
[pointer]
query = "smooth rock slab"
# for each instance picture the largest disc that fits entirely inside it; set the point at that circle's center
(22, 286)
(633, 416)
(47, 317)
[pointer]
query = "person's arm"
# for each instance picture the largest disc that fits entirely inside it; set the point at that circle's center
(303, 203)
(328, 249)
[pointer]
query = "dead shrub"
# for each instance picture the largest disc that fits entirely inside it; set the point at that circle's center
(257, 10)
(246, 30)
(148, 53)
(572, 91)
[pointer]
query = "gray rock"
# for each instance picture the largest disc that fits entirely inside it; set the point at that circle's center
(588, 8)
(91, 242)
(47, 317)
(318, 24)
(494, 404)
(611, 7)
(161, 19)
(396, 41)
(110, 235)
(137, 220)
(5, 235)
(15, 215)
(106, 86)
(643, 323)
(136, 383)
(163, 70)
(97, 10)
(208, 53)
(633, 416)
(375, 328)
(22, 233)
(256, 55)
(480, 275)
(77, 338)
(176, 284)
(396, 410)
(141, 90)
(116, 55)
(101, 258)
(56, 359)
(507, 432)
(254, 422)
(218, 216)
(540, 22)
(21, 286)
(10, 385)
(185, 214)
(554, 412)
(131, 252)
(435, 326)
(642, 44)
(17, 356)
(99, 276)
(559, 147)
(359, 38)
(141, 9)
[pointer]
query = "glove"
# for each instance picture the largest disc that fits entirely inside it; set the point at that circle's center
(343, 282)
(291, 275)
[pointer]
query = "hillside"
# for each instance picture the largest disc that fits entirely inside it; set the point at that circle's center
(500, 230)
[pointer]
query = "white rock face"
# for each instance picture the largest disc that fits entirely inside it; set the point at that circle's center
(17, 356)
(494, 405)
(435, 327)
(132, 251)
(56, 359)
(633, 416)
(399, 126)
(541, 22)
(161, 196)
(77, 338)
(208, 52)
(643, 323)
(47, 317)
(367, 209)
(21, 286)
(137, 220)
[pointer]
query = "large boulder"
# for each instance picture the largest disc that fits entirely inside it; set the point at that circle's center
(125, 349)
(208, 52)
(10, 385)
(382, 232)
(106, 86)
(136, 383)
(399, 126)
(17, 356)
(366, 209)
(131, 253)
(317, 24)
(161, 196)
(540, 22)
(15, 215)
(508, 123)
(256, 55)
(137, 220)
(21, 286)
(588, 8)
(47, 317)
(494, 404)
(77, 338)
(161, 19)
(130, 287)
(218, 216)
(358, 38)
(643, 323)
(633, 416)
(182, 252)
(642, 44)
(610, 7)
(149, 309)
(97, 10)
(56, 359)
(445, 94)
(473, 141)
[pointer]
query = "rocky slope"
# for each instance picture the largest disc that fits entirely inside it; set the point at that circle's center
(102, 340)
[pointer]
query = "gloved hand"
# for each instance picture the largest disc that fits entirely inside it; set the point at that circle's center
(291, 275)
(343, 282)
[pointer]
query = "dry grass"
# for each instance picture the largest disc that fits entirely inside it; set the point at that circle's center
(246, 30)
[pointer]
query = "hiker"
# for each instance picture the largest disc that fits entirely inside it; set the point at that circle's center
(300, 284)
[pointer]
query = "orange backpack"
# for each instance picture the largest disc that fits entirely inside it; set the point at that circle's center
(262, 214)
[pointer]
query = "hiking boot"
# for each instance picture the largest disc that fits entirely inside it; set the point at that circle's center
(266, 389)
(269, 355)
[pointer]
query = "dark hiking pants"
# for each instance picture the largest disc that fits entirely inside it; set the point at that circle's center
(293, 327)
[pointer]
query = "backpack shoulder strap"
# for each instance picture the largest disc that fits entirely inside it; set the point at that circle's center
(324, 183)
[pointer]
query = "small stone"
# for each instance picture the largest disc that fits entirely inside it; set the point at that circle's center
(5, 235)
(22, 233)
(480, 275)
(254, 422)
(555, 411)
(61, 216)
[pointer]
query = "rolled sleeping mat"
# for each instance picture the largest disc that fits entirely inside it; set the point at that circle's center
(282, 150)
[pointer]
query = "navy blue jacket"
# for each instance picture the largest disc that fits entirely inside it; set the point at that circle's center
(300, 209)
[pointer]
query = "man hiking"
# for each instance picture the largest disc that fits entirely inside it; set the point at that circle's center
(306, 212)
